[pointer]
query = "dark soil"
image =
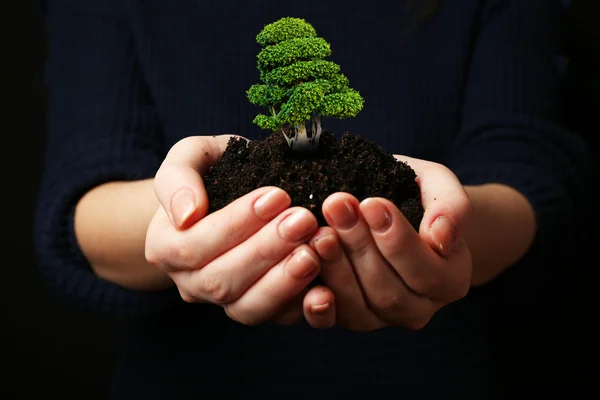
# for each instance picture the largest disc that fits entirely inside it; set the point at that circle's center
(352, 164)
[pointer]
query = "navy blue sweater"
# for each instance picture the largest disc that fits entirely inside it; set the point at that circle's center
(475, 87)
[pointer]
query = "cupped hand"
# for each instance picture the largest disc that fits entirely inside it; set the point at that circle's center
(250, 257)
(384, 273)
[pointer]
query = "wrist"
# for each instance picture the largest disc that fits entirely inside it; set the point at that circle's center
(111, 221)
(501, 229)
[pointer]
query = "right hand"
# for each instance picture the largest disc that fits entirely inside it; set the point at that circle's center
(250, 257)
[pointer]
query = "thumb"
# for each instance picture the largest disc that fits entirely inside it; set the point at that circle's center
(446, 204)
(178, 182)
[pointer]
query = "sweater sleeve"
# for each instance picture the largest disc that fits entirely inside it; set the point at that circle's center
(511, 134)
(101, 127)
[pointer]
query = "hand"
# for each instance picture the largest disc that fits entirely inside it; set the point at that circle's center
(250, 257)
(381, 271)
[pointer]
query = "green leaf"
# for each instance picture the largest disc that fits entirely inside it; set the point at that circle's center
(337, 83)
(266, 95)
(341, 105)
(301, 71)
(266, 122)
(299, 109)
(291, 51)
(285, 29)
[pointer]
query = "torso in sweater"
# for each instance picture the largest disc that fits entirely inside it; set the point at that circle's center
(413, 82)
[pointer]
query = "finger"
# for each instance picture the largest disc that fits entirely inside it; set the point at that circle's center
(227, 277)
(337, 272)
(379, 282)
(319, 307)
(178, 184)
(384, 289)
(446, 204)
(276, 288)
(421, 269)
(216, 233)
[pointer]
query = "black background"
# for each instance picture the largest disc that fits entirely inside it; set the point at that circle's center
(49, 349)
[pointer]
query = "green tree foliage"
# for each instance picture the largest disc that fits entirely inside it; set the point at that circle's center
(298, 84)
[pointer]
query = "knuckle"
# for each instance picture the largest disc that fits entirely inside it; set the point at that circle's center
(461, 290)
(458, 284)
(441, 167)
(243, 318)
(163, 175)
(362, 246)
(157, 250)
(234, 224)
(230, 312)
(152, 257)
(423, 285)
(387, 304)
(417, 324)
(158, 176)
(463, 206)
(187, 297)
(261, 254)
(150, 253)
(216, 290)
(184, 143)
(447, 289)
(397, 242)
(186, 254)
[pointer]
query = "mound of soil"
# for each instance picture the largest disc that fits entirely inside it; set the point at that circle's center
(352, 164)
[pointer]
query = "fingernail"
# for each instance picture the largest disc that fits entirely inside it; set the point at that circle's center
(183, 204)
(271, 203)
(343, 217)
(297, 226)
(443, 234)
(377, 216)
(319, 308)
(302, 265)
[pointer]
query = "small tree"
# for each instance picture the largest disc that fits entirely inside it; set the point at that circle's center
(299, 85)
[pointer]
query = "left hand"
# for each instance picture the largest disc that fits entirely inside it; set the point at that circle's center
(384, 273)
